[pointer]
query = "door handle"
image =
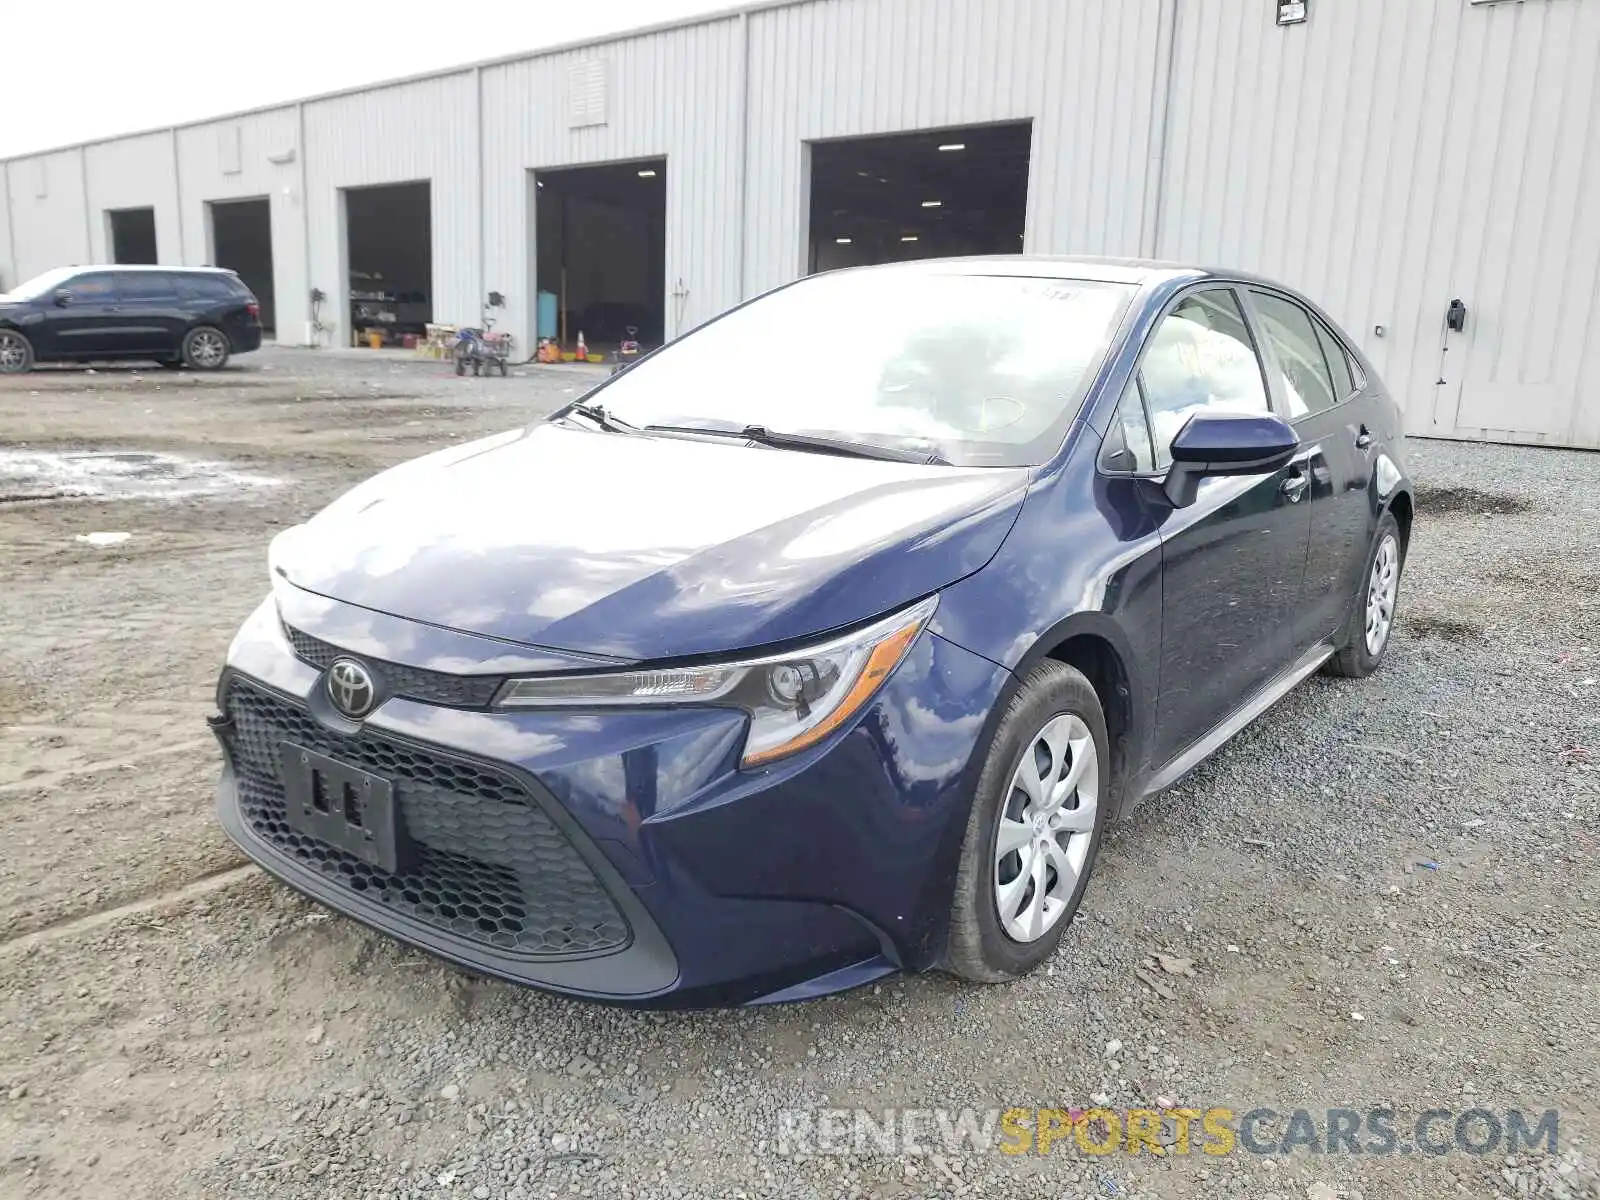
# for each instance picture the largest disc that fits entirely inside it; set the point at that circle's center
(1294, 487)
(1364, 439)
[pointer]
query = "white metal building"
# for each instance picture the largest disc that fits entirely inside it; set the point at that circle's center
(1388, 156)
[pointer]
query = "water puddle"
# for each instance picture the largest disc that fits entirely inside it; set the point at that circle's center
(115, 475)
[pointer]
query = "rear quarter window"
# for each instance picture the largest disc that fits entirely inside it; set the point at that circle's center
(212, 287)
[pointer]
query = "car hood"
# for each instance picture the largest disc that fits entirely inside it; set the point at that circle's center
(637, 547)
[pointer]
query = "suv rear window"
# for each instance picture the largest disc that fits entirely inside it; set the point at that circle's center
(212, 287)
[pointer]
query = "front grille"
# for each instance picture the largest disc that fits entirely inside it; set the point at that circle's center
(431, 687)
(488, 866)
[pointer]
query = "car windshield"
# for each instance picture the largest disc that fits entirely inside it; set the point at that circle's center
(39, 285)
(984, 370)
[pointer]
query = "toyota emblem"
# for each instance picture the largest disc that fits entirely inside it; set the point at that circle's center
(350, 688)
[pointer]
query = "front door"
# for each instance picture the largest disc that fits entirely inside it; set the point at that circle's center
(1233, 561)
(87, 320)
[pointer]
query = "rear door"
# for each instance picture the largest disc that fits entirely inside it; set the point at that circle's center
(1319, 391)
(152, 310)
(1232, 562)
(86, 320)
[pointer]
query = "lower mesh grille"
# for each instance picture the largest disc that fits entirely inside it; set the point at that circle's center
(489, 865)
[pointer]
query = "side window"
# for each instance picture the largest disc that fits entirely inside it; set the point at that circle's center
(205, 287)
(1307, 383)
(148, 287)
(1127, 445)
(91, 289)
(1200, 359)
(1344, 376)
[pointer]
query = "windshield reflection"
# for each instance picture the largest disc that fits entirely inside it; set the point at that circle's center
(985, 370)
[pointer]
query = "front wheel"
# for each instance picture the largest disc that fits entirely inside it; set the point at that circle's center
(16, 353)
(1034, 830)
(1372, 621)
(206, 349)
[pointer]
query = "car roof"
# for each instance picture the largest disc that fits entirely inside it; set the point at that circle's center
(152, 267)
(1141, 272)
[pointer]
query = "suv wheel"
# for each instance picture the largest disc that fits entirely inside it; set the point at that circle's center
(206, 349)
(16, 353)
(1372, 621)
(1034, 830)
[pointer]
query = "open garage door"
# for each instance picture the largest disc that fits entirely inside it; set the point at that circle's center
(389, 252)
(133, 235)
(601, 243)
(919, 195)
(241, 240)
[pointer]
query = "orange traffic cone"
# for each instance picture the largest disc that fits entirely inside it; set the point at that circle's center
(583, 348)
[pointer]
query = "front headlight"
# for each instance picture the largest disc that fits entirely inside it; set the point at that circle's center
(794, 700)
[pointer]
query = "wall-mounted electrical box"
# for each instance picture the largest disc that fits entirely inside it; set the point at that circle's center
(1292, 12)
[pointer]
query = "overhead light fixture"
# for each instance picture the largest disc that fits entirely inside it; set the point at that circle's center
(933, 204)
(911, 237)
(843, 241)
(540, 182)
(647, 174)
(951, 147)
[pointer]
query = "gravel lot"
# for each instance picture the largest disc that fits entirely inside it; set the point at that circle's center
(1386, 891)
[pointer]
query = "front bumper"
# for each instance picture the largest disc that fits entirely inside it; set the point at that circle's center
(620, 855)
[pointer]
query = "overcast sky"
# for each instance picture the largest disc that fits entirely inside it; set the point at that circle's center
(82, 69)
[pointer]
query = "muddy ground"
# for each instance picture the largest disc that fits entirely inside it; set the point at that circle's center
(1387, 891)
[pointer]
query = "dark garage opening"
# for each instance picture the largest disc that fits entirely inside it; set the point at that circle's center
(389, 252)
(133, 234)
(241, 240)
(919, 195)
(601, 252)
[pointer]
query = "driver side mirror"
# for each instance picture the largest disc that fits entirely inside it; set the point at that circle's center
(62, 298)
(1226, 444)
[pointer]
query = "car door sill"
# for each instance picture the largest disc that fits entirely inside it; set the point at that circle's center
(1223, 731)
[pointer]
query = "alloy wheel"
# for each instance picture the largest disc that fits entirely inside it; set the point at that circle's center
(13, 352)
(1046, 828)
(207, 349)
(1382, 586)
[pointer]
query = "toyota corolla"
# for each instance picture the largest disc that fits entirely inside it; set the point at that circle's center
(755, 676)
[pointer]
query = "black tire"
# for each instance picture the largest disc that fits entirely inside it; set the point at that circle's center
(16, 352)
(206, 348)
(1355, 658)
(979, 948)
(461, 366)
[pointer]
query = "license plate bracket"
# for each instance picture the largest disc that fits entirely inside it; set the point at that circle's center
(345, 807)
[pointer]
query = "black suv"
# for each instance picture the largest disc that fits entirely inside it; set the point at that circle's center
(179, 316)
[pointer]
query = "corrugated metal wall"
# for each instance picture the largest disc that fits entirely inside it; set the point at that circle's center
(245, 158)
(49, 220)
(1391, 157)
(674, 94)
(425, 130)
(1080, 69)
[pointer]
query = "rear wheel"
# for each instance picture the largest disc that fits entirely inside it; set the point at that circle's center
(16, 353)
(1034, 830)
(205, 348)
(1372, 620)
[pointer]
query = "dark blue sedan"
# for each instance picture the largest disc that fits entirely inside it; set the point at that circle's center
(823, 642)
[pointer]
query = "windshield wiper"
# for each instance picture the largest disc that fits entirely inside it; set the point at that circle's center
(761, 435)
(598, 414)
